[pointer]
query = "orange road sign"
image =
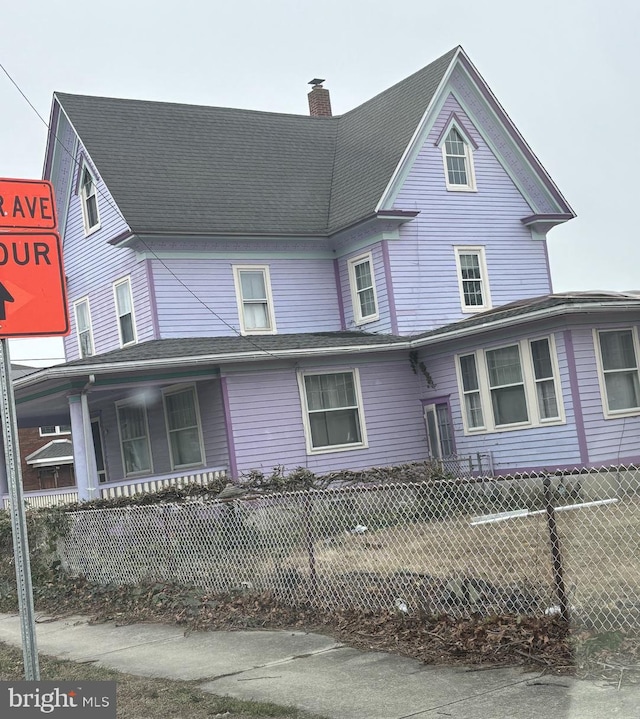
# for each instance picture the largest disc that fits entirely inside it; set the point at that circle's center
(33, 299)
(27, 205)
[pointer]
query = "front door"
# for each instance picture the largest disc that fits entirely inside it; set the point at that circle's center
(439, 430)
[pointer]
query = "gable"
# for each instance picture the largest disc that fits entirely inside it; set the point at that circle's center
(425, 185)
(473, 99)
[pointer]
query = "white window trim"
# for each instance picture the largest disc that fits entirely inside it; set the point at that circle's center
(484, 277)
(75, 313)
(615, 413)
(363, 444)
(139, 403)
(529, 383)
(469, 165)
(56, 433)
(359, 318)
(237, 269)
(177, 389)
(83, 199)
(116, 284)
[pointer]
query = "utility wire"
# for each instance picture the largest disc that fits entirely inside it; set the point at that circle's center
(109, 201)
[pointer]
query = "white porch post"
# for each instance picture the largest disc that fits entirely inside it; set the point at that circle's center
(84, 456)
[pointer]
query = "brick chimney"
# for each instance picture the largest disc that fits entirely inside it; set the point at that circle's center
(319, 100)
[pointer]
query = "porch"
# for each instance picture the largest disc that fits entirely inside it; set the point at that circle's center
(125, 488)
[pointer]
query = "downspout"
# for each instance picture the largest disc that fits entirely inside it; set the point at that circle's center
(89, 449)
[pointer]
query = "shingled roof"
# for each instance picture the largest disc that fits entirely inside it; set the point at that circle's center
(188, 169)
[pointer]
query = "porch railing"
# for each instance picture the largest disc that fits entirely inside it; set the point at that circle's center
(123, 488)
(129, 488)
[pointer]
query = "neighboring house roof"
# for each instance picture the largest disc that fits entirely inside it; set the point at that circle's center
(189, 169)
(20, 370)
(58, 451)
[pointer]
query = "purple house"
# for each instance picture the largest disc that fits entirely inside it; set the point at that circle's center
(251, 289)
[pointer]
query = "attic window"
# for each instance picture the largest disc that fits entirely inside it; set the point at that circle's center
(89, 198)
(458, 161)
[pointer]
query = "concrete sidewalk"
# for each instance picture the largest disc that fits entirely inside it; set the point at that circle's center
(315, 673)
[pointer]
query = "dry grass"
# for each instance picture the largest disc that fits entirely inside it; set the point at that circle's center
(600, 548)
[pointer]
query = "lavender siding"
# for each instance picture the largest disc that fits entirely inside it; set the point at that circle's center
(608, 440)
(383, 324)
(423, 260)
(61, 172)
(211, 417)
(267, 417)
(304, 295)
(92, 265)
(535, 447)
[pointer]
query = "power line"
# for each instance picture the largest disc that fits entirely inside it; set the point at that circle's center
(107, 198)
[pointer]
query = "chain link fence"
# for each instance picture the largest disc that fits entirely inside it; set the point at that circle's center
(568, 543)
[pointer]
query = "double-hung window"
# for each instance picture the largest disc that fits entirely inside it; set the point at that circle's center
(332, 409)
(457, 155)
(183, 427)
(617, 352)
(473, 281)
(255, 304)
(83, 327)
(134, 437)
(363, 289)
(509, 387)
(89, 199)
(124, 312)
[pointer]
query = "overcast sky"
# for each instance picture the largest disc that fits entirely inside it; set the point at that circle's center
(566, 71)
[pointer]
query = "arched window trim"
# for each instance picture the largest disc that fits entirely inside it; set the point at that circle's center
(468, 166)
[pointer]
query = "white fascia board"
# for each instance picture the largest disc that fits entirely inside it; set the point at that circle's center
(389, 190)
(49, 461)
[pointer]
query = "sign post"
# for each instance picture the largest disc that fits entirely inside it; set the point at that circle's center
(33, 303)
(18, 517)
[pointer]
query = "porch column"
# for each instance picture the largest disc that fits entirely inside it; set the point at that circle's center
(84, 456)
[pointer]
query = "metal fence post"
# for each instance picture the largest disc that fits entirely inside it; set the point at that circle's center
(556, 554)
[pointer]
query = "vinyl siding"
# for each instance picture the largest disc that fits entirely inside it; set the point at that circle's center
(609, 441)
(92, 265)
(268, 427)
(383, 324)
(62, 171)
(304, 296)
(423, 260)
(527, 448)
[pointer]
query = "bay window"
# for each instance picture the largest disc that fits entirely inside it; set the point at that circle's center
(508, 387)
